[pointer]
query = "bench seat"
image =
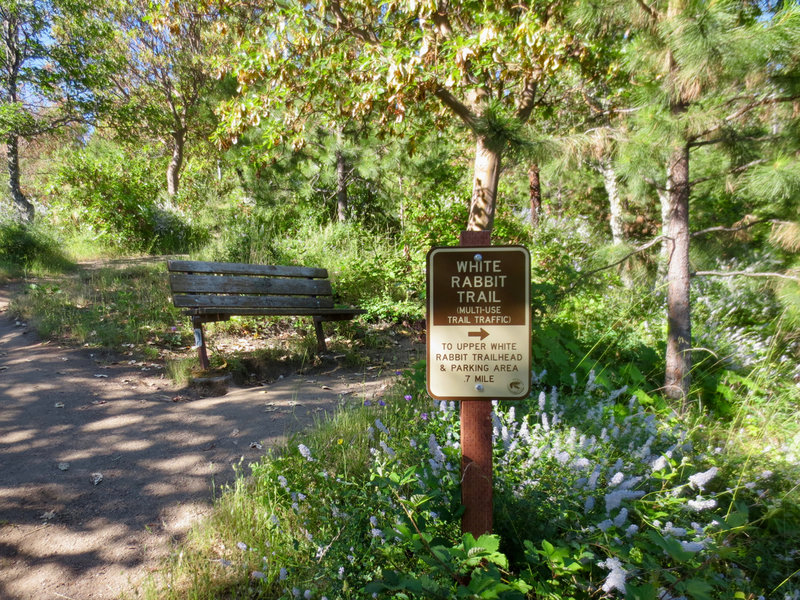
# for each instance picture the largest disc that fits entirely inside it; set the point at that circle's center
(215, 291)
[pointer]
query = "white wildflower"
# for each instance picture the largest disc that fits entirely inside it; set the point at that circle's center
(629, 483)
(693, 546)
(604, 525)
(615, 498)
(436, 450)
(379, 424)
(618, 477)
(659, 464)
(593, 478)
(617, 393)
(620, 519)
(387, 449)
(699, 504)
(699, 480)
(616, 577)
(305, 452)
(670, 529)
(581, 464)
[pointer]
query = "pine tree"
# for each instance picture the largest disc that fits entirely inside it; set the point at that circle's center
(702, 71)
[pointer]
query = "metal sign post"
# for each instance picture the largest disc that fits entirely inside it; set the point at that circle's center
(478, 338)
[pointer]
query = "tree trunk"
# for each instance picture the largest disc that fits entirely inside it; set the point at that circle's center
(341, 187)
(679, 329)
(535, 187)
(22, 204)
(176, 163)
(614, 202)
(663, 260)
(484, 184)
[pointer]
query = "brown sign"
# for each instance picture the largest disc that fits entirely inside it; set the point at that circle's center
(479, 323)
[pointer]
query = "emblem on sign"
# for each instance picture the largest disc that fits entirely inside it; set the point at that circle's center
(478, 323)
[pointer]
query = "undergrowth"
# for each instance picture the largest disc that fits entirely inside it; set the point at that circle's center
(594, 497)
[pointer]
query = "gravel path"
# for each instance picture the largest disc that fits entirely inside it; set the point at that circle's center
(104, 462)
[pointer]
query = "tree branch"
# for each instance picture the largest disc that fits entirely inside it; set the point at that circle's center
(743, 111)
(637, 250)
(368, 37)
(732, 229)
(744, 274)
(738, 169)
(527, 99)
(650, 11)
(458, 107)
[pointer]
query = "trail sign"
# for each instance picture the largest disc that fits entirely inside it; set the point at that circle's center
(479, 323)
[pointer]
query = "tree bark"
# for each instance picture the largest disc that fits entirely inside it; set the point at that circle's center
(341, 187)
(22, 204)
(663, 261)
(484, 184)
(176, 162)
(614, 202)
(11, 68)
(535, 187)
(679, 329)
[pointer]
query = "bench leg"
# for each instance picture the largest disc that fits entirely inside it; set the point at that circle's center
(200, 342)
(321, 347)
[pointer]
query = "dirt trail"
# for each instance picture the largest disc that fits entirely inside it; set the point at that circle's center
(100, 469)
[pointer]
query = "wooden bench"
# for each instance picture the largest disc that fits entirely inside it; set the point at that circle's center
(214, 291)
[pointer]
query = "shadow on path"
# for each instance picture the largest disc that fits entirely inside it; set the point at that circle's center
(100, 467)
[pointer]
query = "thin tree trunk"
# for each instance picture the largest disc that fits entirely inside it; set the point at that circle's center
(22, 204)
(341, 187)
(679, 329)
(176, 163)
(535, 187)
(484, 185)
(614, 202)
(11, 68)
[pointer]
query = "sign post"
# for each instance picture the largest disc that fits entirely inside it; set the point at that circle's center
(478, 342)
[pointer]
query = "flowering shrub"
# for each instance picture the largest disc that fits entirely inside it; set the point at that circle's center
(594, 497)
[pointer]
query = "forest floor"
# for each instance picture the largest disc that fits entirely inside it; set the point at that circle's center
(105, 463)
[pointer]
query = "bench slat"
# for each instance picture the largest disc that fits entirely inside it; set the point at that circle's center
(290, 304)
(196, 266)
(325, 314)
(226, 284)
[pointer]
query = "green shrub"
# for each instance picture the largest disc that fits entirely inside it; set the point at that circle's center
(28, 247)
(113, 196)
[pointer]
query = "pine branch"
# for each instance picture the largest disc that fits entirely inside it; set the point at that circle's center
(738, 169)
(635, 251)
(744, 274)
(741, 112)
(731, 229)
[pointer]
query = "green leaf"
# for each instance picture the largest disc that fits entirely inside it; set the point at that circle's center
(699, 589)
(643, 592)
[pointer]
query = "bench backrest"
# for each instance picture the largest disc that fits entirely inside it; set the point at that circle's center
(197, 284)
